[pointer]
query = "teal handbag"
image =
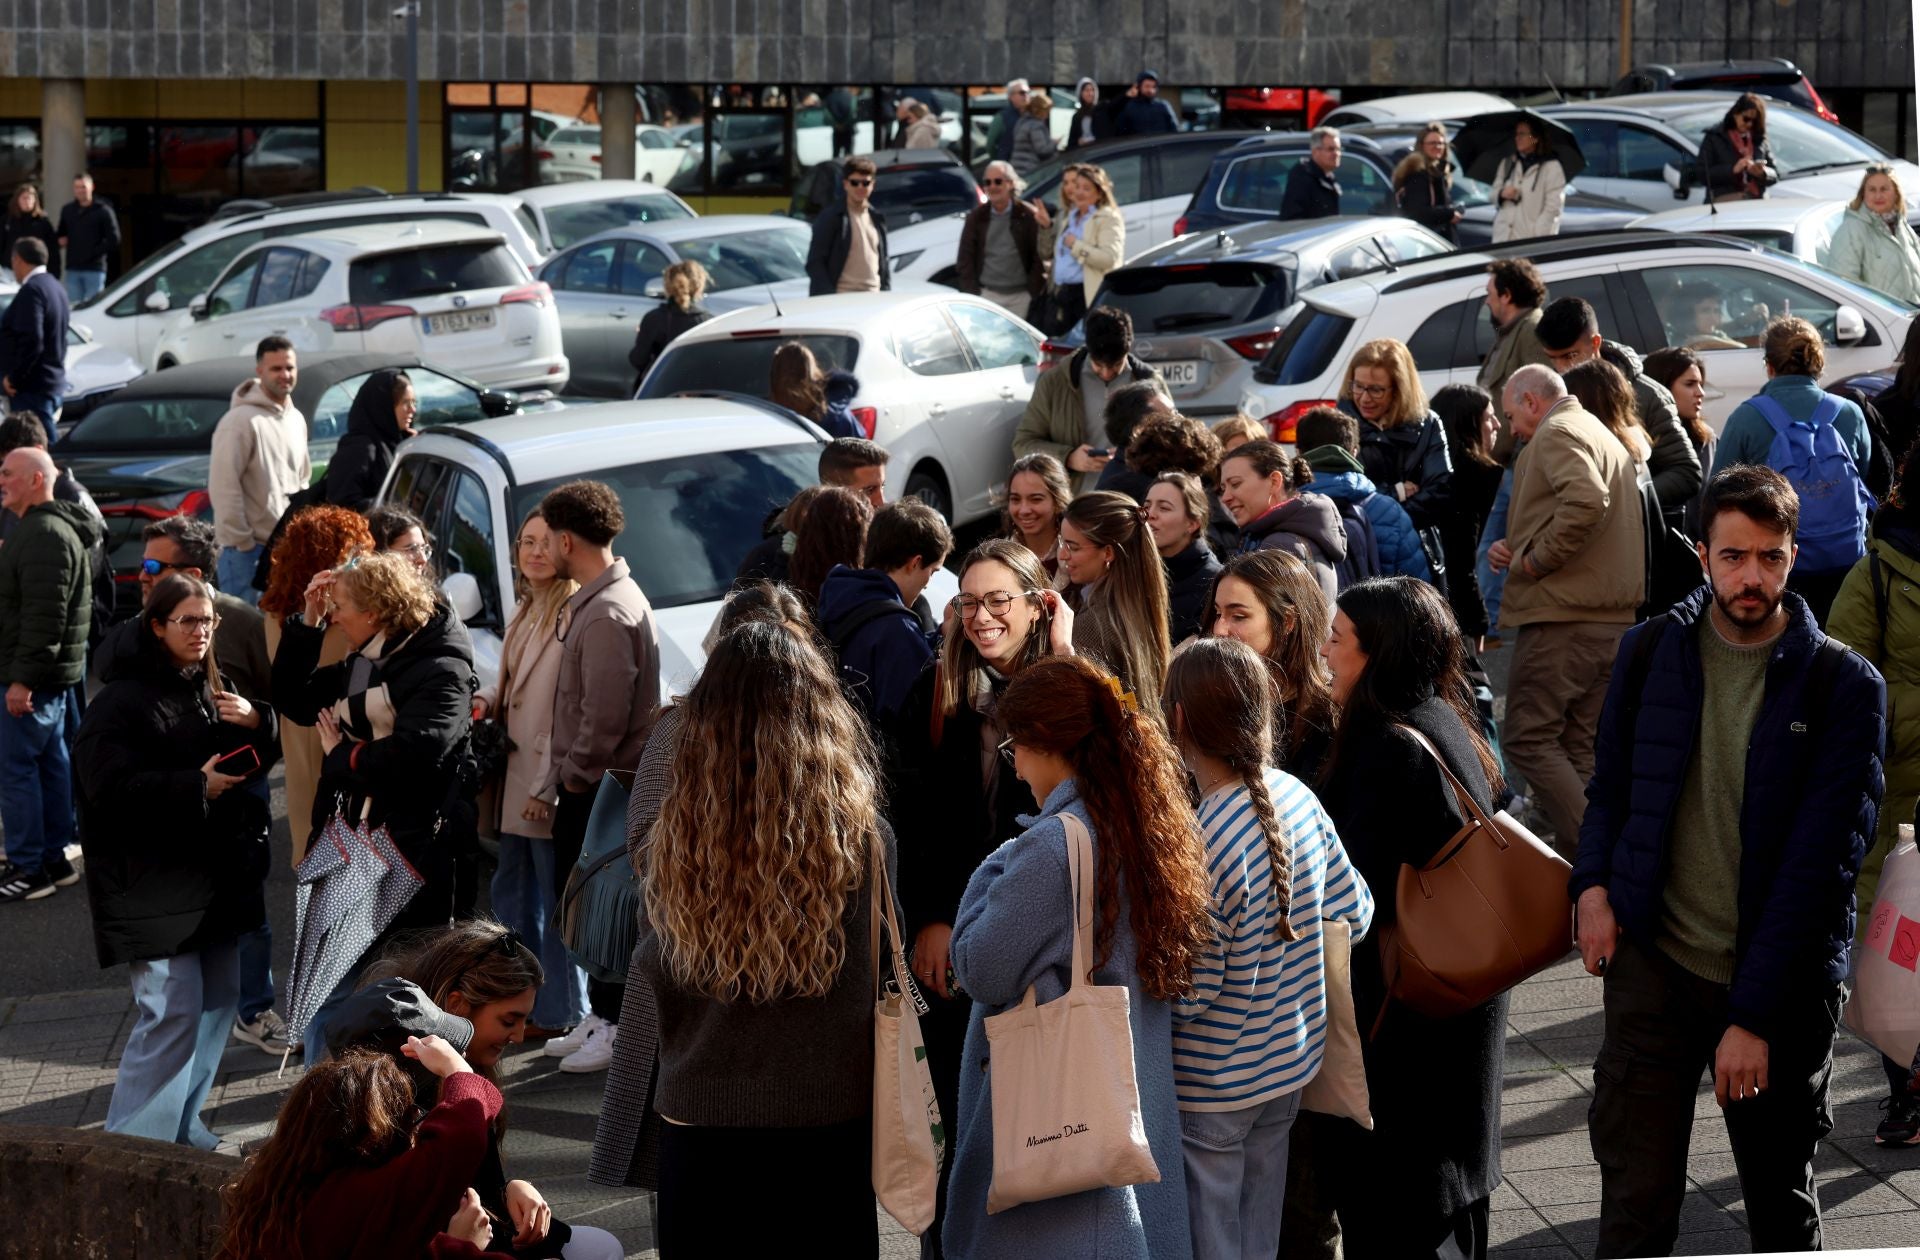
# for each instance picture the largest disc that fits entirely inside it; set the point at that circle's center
(597, 917)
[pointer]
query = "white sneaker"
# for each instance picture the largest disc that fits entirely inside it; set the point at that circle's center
(267, 1031)
(561, 1047)
(596, 1054)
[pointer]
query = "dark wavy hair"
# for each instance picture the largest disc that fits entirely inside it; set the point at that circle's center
(317, 539)
(1173, 443)
(1748, 101)
(832, 531)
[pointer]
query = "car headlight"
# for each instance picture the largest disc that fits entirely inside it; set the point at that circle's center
(907, 259)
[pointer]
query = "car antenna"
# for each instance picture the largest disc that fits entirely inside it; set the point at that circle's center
(775, 299)
(1562, 96)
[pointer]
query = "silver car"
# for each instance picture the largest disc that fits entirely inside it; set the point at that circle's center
(604, 285)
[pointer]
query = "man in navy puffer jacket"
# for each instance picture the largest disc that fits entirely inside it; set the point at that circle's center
(1736, 784)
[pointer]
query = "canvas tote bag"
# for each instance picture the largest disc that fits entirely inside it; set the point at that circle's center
(1339, 1088)
(1066, 1105)
(1885, 1007)
(908, 1140)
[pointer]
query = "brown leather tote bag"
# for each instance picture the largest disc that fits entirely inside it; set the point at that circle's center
(1487, 912)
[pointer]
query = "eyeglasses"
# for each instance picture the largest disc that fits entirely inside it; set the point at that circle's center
(995, 182)
(154, 568)
(997, 602)
(191, 624)
(859, 183)
(1006, 749)
(419, 551)
(1371, 391)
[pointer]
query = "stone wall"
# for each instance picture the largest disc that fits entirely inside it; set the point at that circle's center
(70, 1194)
(1336, 43)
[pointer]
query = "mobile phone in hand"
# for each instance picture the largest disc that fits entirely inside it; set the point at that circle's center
(239, 763)
(1099, 452)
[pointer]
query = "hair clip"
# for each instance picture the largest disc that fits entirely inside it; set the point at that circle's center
(1128, 701)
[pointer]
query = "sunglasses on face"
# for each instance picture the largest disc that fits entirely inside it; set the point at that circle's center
(154, 568)
(859, 183)
(995, 182)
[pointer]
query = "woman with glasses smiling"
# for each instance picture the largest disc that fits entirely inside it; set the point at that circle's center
(1736, 156)
(174, 854)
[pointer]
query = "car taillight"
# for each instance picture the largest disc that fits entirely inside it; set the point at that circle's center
(1254, 345)
(186, 503)
(593, 157)
(1281, 423)
(545, 155)
(537, 293)
(1054, 353)
(1180, 226)
(360, 318)
(1820, 106)
(867, 418)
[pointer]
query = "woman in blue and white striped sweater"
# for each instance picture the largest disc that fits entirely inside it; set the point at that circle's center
(1252, 1032)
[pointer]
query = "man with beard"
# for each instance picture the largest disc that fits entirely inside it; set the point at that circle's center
(1737, 779)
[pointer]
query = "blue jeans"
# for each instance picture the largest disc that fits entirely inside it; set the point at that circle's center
(1493, 585)
(234, 571)
(36, 781)
(525, 892)
(185, 1007)
(1236, 1173)
(82, 285)
(46, 406)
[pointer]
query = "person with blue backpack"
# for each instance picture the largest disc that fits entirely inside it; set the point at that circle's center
(1381, 539)
(1819, 443)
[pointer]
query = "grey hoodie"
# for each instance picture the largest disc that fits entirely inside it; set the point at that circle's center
(259, 460)
(1308, 525)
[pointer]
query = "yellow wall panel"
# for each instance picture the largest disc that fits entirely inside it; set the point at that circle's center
(121, 98)
(20, 98)
(376, 153)
(380, 102)
(280, 98)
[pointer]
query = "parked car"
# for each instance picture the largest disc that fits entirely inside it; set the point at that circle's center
(1631, 141)
(909, 186)
(1416, 108)
(1790, 224)
(1153, 178)
(143, 453)
(93, 371)
(1773, 77)
(559, 215)
(1207, 307)
(452, 294)
(136, 311)
(1649, 289)
(606, 284)
(944, 378)
(696, 477)
(573, 153)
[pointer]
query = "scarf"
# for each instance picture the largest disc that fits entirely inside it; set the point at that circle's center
(1743, 145)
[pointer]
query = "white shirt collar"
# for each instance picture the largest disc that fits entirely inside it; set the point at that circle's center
(37, 271)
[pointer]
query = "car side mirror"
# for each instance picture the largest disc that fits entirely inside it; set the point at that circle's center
(158, 301)
(498, 402)
(198, 307)
(1849, 326)
(463, 594)
(1677, 180)
(656, 289)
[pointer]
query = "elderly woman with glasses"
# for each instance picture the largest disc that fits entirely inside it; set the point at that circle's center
(175, 850)
(1737, 158)
(1001, 256)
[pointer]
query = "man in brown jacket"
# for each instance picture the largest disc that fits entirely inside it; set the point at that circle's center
(1576, 547)
(1001, 257)
(603, 709)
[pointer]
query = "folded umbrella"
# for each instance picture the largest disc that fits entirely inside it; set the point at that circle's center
(1485, 140)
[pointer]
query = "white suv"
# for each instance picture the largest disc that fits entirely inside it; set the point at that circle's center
(454, 295)
(135, 312)
(1649, 289)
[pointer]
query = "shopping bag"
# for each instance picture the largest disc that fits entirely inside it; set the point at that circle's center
(1885, 1007)
(1339, 1088)
(1066, 1103)
(909, 1142)
(598, 915)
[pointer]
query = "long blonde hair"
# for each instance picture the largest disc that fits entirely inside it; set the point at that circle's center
(765, 837)
(960, 661)
(1409, 399)
(538, 613)
(1102, 183)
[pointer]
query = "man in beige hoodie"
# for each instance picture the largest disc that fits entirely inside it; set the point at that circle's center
(259, 461)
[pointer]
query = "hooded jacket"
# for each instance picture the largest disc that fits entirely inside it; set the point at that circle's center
(1308, 525)
(46, 596)
(403, 780)
(359, 464)
(1401, 551)
(1096, 118)
(882, 658)
(1864, 249)
(1813, 785)
(259, 461)
(839, 389)
(1675, 464)
(168, 871)
(1190, 577)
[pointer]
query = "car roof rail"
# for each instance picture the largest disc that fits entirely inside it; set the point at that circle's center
(1587, 245)
(765, 405)
(297, 201)
(464, 434)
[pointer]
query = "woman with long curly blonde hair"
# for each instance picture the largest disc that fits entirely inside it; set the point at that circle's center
(1091, 753)
(756, 890)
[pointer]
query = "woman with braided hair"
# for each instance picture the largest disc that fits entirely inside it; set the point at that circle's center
(1252, 1031)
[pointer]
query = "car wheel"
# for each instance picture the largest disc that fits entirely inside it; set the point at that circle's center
(927, 485)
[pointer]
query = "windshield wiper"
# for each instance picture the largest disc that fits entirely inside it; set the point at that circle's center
(1826, 166)
(1191, 319)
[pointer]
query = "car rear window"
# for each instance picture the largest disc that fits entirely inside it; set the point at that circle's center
(690, 521)
(923, 192)
(576, 222)
(742, 365)
(430, 271)
(1306, 349)
(148, 424)
(1191, 297)
(743, 258)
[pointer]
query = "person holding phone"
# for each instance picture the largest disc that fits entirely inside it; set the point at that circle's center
(174, 854)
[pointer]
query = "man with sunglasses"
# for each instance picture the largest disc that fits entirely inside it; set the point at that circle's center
(185, 545)
(849, 250)
(1000, 255)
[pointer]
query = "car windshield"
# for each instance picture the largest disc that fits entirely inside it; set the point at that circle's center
(430, 271)
(743, 258)
(1190, 298)
(148, 424)
(578, 220)
(741, 364)
(1799, 143)
(692, 520)
(923, 192)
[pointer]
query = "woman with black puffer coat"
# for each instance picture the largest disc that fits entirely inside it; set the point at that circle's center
(1402, 444)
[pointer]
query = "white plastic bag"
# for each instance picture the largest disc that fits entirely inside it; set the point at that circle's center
(1885, 1006)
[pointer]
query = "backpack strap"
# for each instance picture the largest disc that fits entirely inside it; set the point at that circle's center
(1880, 595)
(1825, 412)
(1772, 412)
(871, 611)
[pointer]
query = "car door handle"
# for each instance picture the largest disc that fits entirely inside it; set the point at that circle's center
(936, 409)
(621, 313)
(1006, 392)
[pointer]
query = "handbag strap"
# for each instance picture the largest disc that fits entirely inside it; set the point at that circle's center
(880, 910)
(1081, 878)
(1466, 798)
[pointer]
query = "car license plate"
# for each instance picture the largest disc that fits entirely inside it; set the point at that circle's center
(458, 321)
(1181, 373)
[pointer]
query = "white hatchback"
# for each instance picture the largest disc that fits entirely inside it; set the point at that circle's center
(453, 295)
(944, 379)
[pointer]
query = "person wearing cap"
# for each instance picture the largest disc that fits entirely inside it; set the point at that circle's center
(1145, 114)
(1000, 134)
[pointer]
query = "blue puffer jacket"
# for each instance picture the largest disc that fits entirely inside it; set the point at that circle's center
(1812, 794)
(1393, 532)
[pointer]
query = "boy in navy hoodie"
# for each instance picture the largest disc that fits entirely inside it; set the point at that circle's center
(883, 641)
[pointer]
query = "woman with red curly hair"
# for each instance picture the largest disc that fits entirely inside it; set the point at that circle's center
(1089, 752)
(316, 540)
